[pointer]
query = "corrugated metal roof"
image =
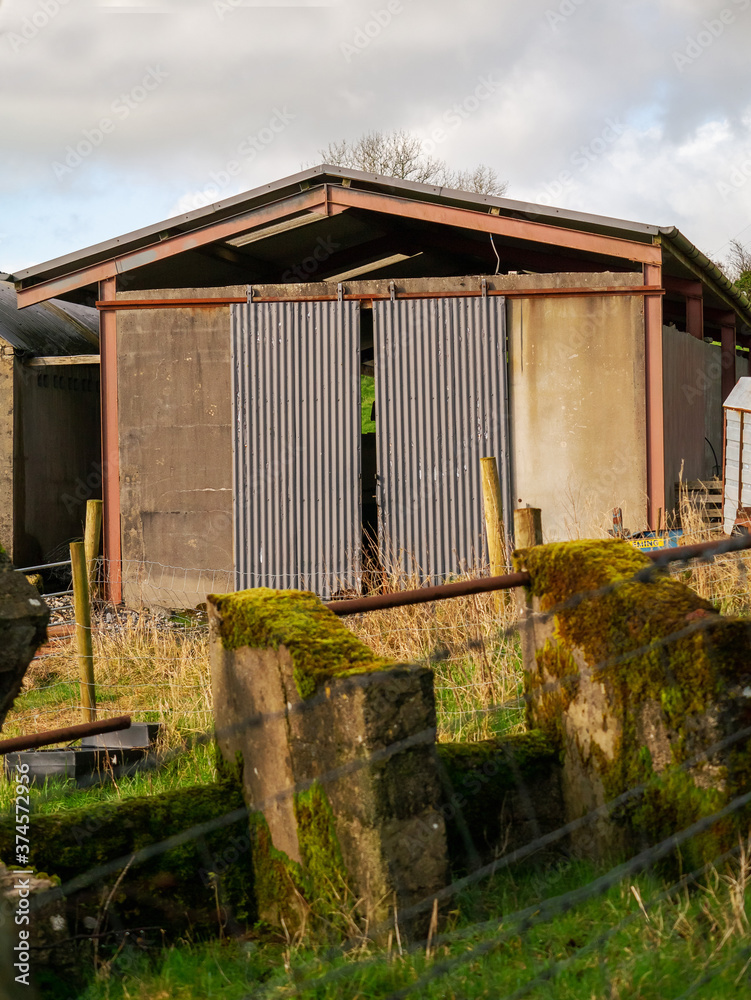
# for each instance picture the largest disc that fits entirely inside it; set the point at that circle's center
(315, 176)
(53, 328)
(702, 263)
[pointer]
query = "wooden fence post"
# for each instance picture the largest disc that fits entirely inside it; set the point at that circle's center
(84, 645)
(491, 496)
(527, 527)
(92, 537)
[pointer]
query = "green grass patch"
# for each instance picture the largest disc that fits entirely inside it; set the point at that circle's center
(626, 943)
(367, 398)
(56, 693)
(182, 769)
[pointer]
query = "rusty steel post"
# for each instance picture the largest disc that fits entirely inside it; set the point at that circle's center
(110, 445)
(654, 398)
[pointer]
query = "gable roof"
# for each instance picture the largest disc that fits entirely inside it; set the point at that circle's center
(253, 237)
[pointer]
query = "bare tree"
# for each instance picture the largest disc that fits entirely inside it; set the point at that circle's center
(738, 265)
(400, 154)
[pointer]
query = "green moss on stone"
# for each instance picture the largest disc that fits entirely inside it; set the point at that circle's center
(319, 881)
(173, 889)
(647, 637)
(321, 647)
(277, 879)
(556, 661)
(480, 778)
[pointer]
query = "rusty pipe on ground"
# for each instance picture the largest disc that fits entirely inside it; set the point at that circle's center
(486, 584)
(65, 735)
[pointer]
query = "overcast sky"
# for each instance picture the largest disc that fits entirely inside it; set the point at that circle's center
(118, 115)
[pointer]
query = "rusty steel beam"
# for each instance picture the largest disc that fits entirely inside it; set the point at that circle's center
(171, 245)
(488, 584)
(683, 286)
(512, 293)
(66, 735)
(110, 444)
(520, 229)
(654, 399)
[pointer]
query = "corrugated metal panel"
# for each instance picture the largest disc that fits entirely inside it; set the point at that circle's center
(296, 400)
(441, 405)
(49, 328)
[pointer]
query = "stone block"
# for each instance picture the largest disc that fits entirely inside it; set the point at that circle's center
(338, 763)
(23, 628)
(648, 691)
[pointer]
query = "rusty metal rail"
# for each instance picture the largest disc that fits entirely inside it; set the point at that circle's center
(487, 584)
(66, 735)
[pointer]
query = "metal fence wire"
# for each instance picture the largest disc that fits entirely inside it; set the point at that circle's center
(534, 921)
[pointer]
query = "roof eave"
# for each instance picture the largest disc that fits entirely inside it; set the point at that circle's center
(705, 268)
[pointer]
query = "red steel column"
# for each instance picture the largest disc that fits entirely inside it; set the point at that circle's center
(110, 442)
(695, 315)
(654, 398)
(727, 354)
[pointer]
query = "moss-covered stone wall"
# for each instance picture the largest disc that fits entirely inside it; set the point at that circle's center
(642, 683)
(174, 891)
(337, 749)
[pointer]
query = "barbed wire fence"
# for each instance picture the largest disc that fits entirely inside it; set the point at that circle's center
(168, 648)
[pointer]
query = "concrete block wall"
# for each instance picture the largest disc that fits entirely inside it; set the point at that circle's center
(335, 751)
(647, 689)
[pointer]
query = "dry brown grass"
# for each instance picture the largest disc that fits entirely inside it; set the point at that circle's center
(160, 672)
(142, 667)
(471, 644)
(723, 581)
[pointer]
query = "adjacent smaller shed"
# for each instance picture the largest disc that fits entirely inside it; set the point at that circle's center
(49, 423)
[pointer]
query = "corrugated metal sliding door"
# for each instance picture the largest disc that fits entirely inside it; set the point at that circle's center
(296, 411)
(441, 405)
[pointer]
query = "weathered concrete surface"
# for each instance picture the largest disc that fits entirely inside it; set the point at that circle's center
(647, 688)
(175, 415)
(500, 795)
(577, 383)
(23, 628)
(364, 738)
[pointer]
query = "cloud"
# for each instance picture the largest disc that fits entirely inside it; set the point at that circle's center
(564, 70)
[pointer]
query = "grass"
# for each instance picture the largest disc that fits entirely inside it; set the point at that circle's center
(639, 939)
(604, 948)
(176, 769)
(367, 398)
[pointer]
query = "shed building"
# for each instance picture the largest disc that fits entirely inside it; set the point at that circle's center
(590, 355)
(49, 423)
